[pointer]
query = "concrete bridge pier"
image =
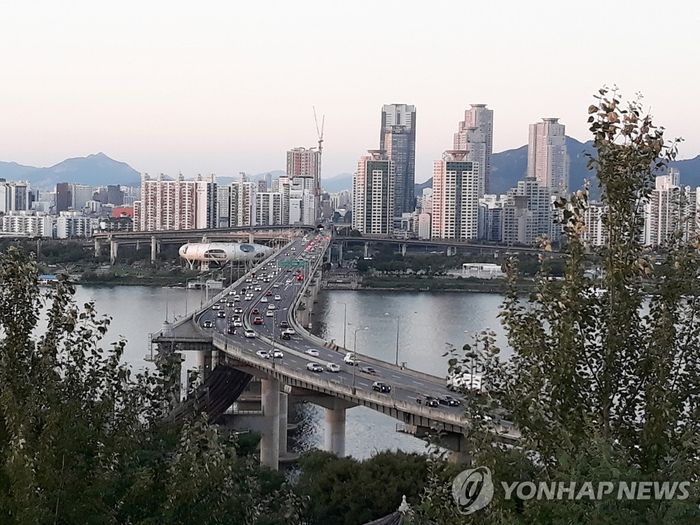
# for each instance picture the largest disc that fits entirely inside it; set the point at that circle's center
(154, 248)
(251, 238)
(403, 250)
(98, 248)
(340, 253)
(284, 420)
(366, 250)
(204, 362)
(335, 426)
(451, 250)
(270, 439)
(113, 251)
(457, 445)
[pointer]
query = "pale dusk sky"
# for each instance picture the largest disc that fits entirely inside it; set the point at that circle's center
(225, 86)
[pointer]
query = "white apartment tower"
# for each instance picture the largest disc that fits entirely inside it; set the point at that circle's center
(269, 208)
(455, 210)
(165, 205)
(243, 197)
(475, 135)
(671, 208)
(527, 213)
(547, 158)
(373, 194)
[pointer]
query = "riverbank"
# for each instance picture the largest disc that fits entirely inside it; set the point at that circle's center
(430, 284)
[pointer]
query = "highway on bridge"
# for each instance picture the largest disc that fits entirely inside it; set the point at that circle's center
(278, 295)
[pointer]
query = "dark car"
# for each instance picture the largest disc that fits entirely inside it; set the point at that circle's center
(268, 294)
(368, 370)
(207, 324)
(231, 330)
(255, 311)
(284, 325)
(428, 401)
(449, 401)
(230, 304)
(220, 314)
(258, 320)
(381, 387)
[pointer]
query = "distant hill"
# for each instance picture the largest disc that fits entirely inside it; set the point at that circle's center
(96, 170)
(510, 166)
(340, 182)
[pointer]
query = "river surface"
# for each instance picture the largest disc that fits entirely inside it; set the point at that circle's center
(429, 322)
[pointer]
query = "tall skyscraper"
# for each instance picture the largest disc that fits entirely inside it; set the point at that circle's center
(475, 135)
(14, 196)
(373, 194)
(165, 205)
(671, 208)
(455, 198)
(269, 208)
(207, 202)
(398, 139)
(305, 165)
(547, 158)
(64, 196)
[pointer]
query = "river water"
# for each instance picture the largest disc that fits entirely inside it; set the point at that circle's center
(429, 322)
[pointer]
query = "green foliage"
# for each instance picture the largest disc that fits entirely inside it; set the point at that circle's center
(84, 441)
(345, 491)
(603, 382)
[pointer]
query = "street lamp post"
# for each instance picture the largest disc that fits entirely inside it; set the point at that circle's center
(398, 328)
(345, 321)
(274, 323)
(354, 356)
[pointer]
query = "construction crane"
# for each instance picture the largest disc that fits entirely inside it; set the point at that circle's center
(317, 182)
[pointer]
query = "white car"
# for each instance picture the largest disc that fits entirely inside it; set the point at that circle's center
(258, 289)
(216, 307)
(277, 354)
(350, 359)
(263, 300)
(278, 297)
(250, 334)
(269, 313)
(237, 322)
(312, 352)
(332, 367)
(288, 331)
(276, 285)
(263, 354)
(314, 367)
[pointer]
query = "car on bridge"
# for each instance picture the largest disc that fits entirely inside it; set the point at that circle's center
(332, 367)
(237, 322)
(378, 386)
(231, 330)
(250, 334)
(263, 354)
(272, 307)
(270, 313)
(449, 401)
(263, 300)
(238, 310)
(428, 401)
(314, 367)
(278, 297)
(284, 325)
(258, 320)
(268, 294)
(277, 354)
(208, 324)
(255, 311)
(312, 352)
(351, 359)
(368, 370)
(216, 307)
(220, 314)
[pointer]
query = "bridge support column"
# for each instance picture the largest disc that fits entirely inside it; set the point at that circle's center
(98, 248)
(284, 415)
(403, 250)
(251, 238)
(154, 248)
(270, 440)
(113, 251)
(457, 445)
(366, 250)
(340, 254)
(335, 431)
(451, 250)
(204, 363)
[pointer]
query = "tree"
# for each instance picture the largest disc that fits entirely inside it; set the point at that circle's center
(604, 382)
(84, 441)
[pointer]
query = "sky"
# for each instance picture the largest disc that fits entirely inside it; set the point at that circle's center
(223, 87)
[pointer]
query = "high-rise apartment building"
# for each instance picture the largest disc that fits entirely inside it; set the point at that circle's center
(14, 196)
(304, 165)
(243, 209)
(207, 203)
(223, 198)
(373, 194)
(594, 234)
(269, 208)
(671, 209)
(166, 204)
(455, 197)
(34, 224)
(398, 139)
(547, 158)
(70, 224)
(527, 213)
(64, 196)
(475, 135)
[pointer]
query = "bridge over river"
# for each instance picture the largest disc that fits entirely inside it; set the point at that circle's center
(229, 361)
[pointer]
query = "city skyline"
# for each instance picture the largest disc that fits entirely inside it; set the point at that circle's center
(171, 88)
